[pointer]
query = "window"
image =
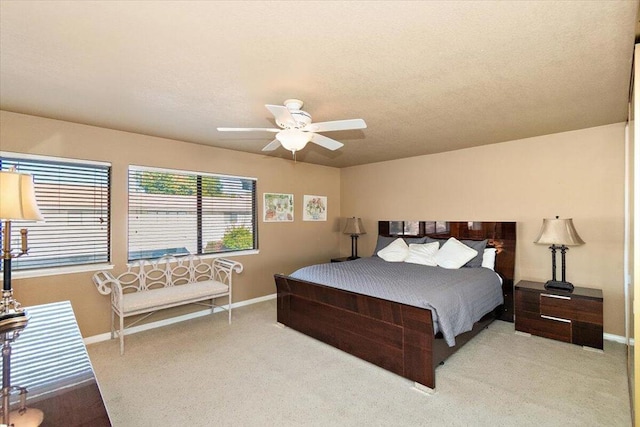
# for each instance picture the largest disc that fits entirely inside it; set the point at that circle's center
(408, 228)
(178, 212)
(73, 197)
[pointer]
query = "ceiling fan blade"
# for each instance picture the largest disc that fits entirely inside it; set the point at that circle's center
(336, 125)
(325, 142)
(248, 129)
(272, 145)
(282, 114)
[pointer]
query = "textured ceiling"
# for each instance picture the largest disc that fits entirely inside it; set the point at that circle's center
(427, 77)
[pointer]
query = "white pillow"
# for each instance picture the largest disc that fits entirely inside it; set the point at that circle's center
(489, 258)
(396, 251)
(454, 254)
(424, 253)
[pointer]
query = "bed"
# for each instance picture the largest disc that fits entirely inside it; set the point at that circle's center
(395, 336)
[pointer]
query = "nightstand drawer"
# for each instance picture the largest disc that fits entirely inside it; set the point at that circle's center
(557, 306)
(544, 326)
(566, 307)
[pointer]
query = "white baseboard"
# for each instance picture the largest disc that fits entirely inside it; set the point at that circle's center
(165, 322)
(617, 338)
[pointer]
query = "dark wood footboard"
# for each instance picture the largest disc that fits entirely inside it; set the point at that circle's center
(394, 336)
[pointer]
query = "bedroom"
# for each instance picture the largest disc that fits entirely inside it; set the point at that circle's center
(577, 173)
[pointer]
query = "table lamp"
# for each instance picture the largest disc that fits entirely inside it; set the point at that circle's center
(559, 233)
(355, 228)
(17, 203)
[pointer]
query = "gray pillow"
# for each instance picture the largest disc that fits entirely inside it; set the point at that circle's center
(384, 241)
(431, 240)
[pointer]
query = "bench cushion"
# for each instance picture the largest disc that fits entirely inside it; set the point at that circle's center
(166, 297)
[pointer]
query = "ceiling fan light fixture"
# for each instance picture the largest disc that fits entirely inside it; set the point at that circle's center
(293, 139)
(296, 128)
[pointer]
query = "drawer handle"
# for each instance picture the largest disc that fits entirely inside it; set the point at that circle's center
(558, 319)
(555, 296)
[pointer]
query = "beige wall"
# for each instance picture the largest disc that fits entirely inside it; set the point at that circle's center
(633, 254)
(283, 246)
(577, 175)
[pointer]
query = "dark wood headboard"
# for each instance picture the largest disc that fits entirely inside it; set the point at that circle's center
(500, 235)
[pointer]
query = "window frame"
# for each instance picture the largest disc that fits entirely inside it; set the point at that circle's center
(199, 175)
(103, 171)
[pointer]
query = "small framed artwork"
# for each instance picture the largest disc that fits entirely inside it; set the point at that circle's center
(314, 208)
(278, 207)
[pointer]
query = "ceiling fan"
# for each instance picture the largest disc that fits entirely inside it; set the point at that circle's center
(296, 129)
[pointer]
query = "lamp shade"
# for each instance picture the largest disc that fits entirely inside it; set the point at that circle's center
(18, 198)
(354, 227)
(293, 139)
(558, 232)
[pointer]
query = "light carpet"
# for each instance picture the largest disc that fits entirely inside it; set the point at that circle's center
(205, 372)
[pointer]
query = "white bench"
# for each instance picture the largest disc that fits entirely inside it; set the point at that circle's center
(149, 286)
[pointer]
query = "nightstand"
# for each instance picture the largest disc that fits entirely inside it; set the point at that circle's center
(343, 259)
(573, 317)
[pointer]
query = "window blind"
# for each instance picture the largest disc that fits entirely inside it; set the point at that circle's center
(178, 213)
(74, 199)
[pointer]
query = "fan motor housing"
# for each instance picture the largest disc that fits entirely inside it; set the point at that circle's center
(302, 119)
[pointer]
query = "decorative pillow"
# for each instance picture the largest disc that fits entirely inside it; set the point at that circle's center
(454, 254)
(384, 241)
(424, 253)
(397, 251)
(479, 246)
(489, 258)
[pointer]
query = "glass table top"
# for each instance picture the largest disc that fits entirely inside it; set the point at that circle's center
(48, 358)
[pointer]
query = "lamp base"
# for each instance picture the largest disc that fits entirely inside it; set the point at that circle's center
(351, 258)
(26, 417)
(12, 316)
(11, 321)
(555, 284)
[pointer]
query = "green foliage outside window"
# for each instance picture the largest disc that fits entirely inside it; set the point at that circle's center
(211, 186)
(167, 183)
(238, 238)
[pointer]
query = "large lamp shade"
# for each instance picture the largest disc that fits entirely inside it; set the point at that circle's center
(555, 231)
(18, 198)
(354, 226)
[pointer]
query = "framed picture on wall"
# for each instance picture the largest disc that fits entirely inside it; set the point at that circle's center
(277, 207)
(314, 208)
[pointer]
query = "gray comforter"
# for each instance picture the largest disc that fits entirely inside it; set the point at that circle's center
(457, 298)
